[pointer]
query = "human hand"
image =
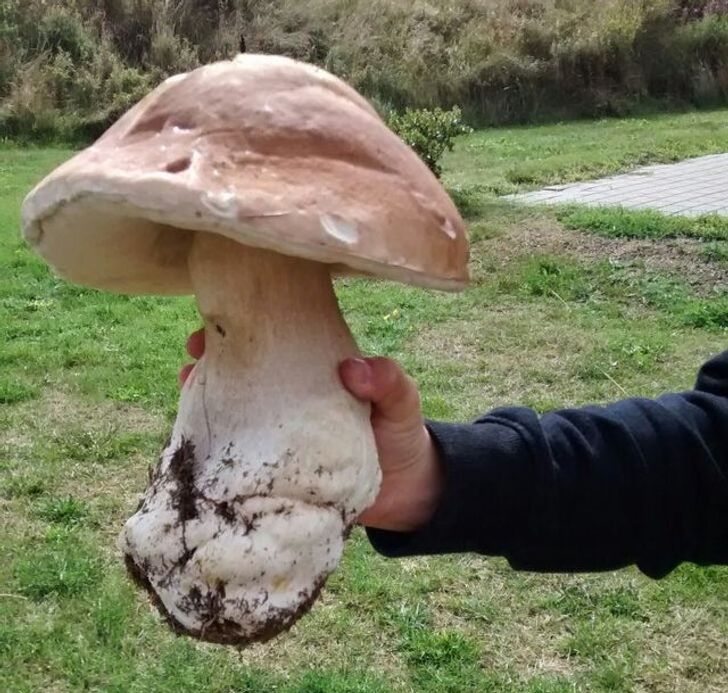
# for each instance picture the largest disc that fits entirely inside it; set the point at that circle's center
(412, 477)
(195, 348)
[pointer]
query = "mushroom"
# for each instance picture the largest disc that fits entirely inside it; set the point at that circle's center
(249, 183)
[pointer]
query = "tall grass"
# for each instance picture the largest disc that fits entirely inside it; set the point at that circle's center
(67, 68)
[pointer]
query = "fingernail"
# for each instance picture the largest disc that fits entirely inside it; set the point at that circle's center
(359, 371)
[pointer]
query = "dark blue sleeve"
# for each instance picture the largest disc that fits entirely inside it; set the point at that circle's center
(641, 482)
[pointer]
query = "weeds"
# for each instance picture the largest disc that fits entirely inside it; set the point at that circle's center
(617, 222)
(67, 70)
(66, 511)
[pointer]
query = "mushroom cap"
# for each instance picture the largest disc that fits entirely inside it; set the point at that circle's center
(265, 150)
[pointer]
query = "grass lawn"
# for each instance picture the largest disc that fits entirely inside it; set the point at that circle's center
(559, 313)
(505, 159)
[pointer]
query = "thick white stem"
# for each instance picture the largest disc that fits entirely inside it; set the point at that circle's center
(270, 460)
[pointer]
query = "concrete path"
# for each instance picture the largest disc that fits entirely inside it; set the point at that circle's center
(689, 188)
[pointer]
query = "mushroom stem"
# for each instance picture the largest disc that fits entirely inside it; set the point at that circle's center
(274, 337)
(270, 460)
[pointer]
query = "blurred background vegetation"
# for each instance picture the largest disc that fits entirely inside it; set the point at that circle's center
(69, 67)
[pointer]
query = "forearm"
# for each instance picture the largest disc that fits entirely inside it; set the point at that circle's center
(638, 482)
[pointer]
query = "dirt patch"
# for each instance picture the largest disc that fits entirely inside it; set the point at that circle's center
(457, 343)
(497, 358)
(96, 451)
(57, 410)
(680, 257)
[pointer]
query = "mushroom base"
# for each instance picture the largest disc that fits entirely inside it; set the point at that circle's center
(270, 461)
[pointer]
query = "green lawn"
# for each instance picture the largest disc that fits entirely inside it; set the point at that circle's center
(502, 159)
(555, 316)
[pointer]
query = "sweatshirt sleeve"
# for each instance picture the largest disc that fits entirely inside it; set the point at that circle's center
(640, 481)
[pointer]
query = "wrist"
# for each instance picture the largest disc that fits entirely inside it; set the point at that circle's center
(427, 487)
(409, 496)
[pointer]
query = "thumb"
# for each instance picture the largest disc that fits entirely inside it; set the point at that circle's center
(381, 381)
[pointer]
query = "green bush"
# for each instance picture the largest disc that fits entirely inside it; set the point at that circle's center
(55, 99)
(62, 31)
(429, 132)
(500, 60)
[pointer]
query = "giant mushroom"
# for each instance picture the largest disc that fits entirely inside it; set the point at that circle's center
(249, 183)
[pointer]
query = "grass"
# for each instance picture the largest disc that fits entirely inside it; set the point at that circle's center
(503, 160)
(64, 511)
(616, 222)
(716, 251)
(556, 316)
(60, 566)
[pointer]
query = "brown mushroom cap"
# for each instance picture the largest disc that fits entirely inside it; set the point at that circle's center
(265, 150)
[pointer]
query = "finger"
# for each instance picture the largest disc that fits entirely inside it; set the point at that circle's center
(394, 394)
(185, 373)
(356, 375)
(368, 517)
(382, 382)
(196, 344)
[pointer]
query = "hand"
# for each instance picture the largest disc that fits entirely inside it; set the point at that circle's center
(195, 348)
(412, 476)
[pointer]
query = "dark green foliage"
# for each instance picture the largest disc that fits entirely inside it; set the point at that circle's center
(716, 251)
(15, 392)
(62, 32)
(68, 69)
(63, 511)
(709, 315)
(618, 222)
(430, 133)
(565, 280)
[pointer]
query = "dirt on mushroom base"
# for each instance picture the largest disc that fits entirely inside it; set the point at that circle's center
(185, 496)
(220, 631)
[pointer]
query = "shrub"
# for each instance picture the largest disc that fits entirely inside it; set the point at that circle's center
(429, 132)
(62, 31)
(170, 53)
(499, 60)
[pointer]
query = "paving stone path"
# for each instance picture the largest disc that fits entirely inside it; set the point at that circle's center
(689, 188)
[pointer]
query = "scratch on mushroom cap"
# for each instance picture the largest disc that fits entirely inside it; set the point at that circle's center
(268, 151)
